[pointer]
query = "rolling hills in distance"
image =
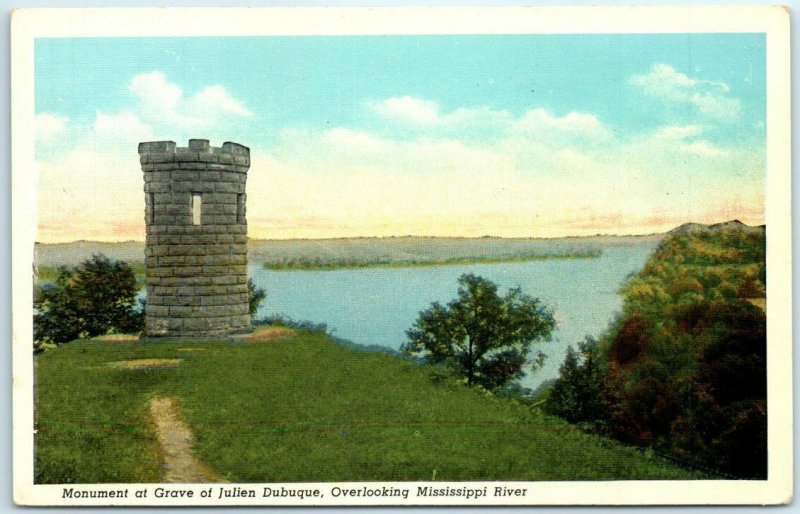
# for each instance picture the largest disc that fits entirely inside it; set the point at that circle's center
(384, 249)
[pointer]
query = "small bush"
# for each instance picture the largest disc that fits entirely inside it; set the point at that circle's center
(255, 297)
(285, 321)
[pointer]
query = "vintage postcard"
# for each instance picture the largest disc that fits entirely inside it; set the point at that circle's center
(402, 256)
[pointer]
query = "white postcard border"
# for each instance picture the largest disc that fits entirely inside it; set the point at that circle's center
(29, 24)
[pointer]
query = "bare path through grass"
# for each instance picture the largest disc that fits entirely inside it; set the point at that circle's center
(176, 440)
(267, 334)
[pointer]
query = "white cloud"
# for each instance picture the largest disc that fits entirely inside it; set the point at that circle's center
(709, 97)
(538, 129)
(574, 126)
(426, 116)
(663, 81)
(113, 129)
(50, 127)
(161, 111)
(163, 102)
(717, 106)
(704, 148)
(409, 109)
(678, 132)
(156, 95)
(683, 138)
(214, 100)
(355, 141)
(484, 117)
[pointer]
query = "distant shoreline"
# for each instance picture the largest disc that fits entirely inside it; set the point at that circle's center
(385, 251)
(300, 265)
(373, 238)
(381, 252)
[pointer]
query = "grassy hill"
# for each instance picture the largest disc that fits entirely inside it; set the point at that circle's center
(301, 408)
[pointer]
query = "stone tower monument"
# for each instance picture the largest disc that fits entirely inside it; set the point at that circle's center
(196, 250)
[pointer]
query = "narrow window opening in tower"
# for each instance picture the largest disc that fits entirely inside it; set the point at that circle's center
(197, 201)
(152, 205)
(239, 208)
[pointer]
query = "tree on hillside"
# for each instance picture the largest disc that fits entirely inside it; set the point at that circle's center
(94, 298)
(577, 394)
(486, 338)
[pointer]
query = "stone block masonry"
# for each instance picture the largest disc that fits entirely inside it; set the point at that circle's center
(196, 248)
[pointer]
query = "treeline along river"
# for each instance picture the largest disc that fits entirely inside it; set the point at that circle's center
(375, 306)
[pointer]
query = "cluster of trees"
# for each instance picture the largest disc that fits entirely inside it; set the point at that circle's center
(484, 337)
(96, 297)
(683, 369)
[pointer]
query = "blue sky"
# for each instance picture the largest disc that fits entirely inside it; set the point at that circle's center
(515, 135)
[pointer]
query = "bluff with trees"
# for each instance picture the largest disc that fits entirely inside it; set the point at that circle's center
(682, 371)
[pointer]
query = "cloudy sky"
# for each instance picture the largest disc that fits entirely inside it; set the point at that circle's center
(528, 135)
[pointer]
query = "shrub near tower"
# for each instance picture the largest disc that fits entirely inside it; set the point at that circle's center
(196, 248)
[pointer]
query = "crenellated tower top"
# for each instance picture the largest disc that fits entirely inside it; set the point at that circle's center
(157, 152)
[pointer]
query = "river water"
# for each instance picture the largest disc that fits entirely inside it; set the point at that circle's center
(375, 306)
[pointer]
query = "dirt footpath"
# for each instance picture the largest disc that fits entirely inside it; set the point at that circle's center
(176, 440)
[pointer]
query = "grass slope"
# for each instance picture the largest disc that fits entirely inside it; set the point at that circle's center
(302, 409)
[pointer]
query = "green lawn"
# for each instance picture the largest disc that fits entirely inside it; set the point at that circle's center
(302, 409)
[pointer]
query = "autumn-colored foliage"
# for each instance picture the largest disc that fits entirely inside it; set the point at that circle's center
(683, 369)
